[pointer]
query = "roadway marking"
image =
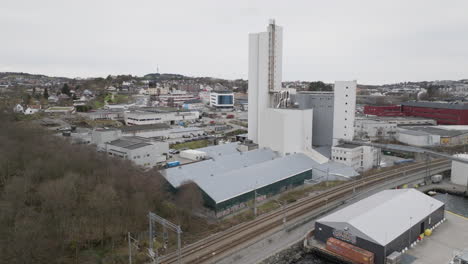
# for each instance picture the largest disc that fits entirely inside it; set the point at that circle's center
(464, 217)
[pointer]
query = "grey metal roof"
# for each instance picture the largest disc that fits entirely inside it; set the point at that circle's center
(214, 167)
(130, 142)
(443, 105)
(347, 146)
(384, 216)
(220, 150)
(434, 130)
(234, 173)
(257, 176)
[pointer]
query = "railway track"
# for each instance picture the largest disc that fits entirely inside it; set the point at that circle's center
(206, 249)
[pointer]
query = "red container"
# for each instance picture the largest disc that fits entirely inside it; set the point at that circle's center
(355, 254)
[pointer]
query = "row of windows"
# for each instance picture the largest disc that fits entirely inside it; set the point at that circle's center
(144, 119)
(339, 158)
(138, 157)
(118, 155)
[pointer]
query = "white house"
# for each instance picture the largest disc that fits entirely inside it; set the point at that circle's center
(18, 109)
(32, 110)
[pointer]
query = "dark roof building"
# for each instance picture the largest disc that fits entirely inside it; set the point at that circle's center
(383, 223)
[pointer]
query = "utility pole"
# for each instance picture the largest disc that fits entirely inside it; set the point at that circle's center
(154, 218)
(255, 201)
(328, 174)
(129, 249)
(131, 242)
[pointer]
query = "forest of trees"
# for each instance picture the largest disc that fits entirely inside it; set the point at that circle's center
(63, 203)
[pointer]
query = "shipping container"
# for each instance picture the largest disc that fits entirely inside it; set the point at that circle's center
(172, 164)
(351, 252)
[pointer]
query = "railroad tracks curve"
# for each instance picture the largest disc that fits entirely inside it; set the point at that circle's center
(204, 250)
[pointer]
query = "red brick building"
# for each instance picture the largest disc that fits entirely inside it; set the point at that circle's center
(444, 113)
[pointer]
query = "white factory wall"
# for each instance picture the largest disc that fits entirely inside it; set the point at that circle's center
(287, 130)
(192, 154)
(258, 94)
(374, 130)
(344, 110)
(360, 158)
(148, 118)
(420, 140)
(460, 171)
(166, 133)
(147, 156)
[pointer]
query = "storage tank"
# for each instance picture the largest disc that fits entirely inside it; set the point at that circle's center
(459, 169)
(355, 254)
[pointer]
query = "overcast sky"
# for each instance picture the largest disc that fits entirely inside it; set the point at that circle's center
(370, 41)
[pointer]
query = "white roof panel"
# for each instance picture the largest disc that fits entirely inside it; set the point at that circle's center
(384, 216)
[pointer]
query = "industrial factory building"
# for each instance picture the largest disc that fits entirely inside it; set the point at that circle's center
(445, 113)
(156, 116)
(229, 178)
(383, 223)
(425, 136)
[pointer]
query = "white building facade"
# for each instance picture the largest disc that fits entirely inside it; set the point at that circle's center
(360, 158)
(222, 99)
(141, 151)
(374, 129)
(287, 131)
(459, 171)
(149, 118)
(265, 74)
(344, 110)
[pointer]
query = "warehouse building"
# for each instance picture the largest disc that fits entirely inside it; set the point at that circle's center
(229, 178)
(157, 116)
(383, 223)
(424, 136)
(445, 113)
(141, 151)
